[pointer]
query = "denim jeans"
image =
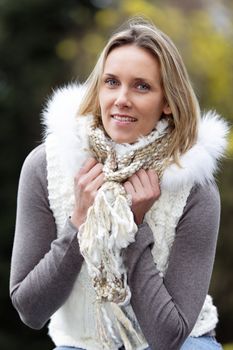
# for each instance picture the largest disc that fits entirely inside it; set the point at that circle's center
(201, 343)
(191, 343)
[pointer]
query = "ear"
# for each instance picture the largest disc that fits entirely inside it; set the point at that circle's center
(167, 109)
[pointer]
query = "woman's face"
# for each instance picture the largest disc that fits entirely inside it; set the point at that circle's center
(131, 97)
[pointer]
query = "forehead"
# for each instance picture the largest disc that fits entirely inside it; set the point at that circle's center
(131, 59)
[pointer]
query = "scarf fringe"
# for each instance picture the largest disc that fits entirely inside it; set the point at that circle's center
(124, 326)
(114, 229)
(125, 322)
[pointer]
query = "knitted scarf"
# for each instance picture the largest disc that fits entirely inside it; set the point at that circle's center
(110, 226)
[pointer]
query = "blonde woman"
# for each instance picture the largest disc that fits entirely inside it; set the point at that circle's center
(118, 210)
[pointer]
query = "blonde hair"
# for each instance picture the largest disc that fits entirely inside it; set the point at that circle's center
(175, 82)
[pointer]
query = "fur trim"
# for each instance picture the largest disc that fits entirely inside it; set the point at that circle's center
(60, 119)
(198, 164)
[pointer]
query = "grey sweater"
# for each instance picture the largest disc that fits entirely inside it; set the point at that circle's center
(44, 267)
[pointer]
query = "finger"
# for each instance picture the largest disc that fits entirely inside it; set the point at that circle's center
(84, 178)
(95, 184)
(93, 173)
(155, 186)
(144, 178)
(129, 189)
(154, 179)
(88, 165)
(136, 183)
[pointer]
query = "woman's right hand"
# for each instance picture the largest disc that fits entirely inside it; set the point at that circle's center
(86, 185)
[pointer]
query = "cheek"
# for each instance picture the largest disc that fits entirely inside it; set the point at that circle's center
(155, 106)
(149, 108)
(105, 100)
(101, 100)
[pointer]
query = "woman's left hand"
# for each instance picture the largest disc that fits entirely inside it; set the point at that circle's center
(143, 186)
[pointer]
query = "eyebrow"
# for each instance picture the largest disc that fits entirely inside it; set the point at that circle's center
(110, 75)
(136, 78)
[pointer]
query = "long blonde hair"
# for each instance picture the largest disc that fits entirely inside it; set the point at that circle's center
(175, 82)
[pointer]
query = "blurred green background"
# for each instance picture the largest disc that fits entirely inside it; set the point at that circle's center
(45, 44)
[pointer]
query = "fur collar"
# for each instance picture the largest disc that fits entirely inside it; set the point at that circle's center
(198, 164)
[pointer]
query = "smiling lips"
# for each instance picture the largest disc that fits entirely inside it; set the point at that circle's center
(123, 118)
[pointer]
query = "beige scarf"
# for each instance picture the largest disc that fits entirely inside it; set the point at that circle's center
(110, 226)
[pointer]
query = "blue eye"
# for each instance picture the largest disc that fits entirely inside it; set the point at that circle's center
(111, 82)
(143, 86)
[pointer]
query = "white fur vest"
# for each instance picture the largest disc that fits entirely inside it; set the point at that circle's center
(76, 322)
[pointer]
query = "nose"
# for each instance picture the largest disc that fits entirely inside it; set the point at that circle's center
(123, 98)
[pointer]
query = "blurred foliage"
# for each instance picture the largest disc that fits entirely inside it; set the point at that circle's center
(228, 347)
(47, 43)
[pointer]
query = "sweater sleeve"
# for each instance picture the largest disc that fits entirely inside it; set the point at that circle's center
(167, 308)
(43, 267)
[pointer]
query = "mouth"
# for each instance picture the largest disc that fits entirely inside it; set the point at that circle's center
(123, 118)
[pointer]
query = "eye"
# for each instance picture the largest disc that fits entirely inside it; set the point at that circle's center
(143, 86)
(111, 82)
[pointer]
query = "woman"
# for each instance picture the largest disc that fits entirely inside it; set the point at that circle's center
(118, 211)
